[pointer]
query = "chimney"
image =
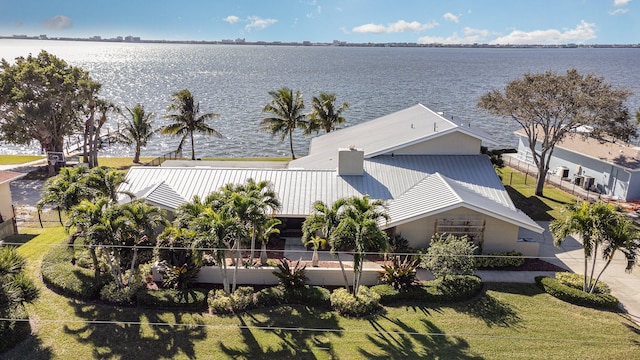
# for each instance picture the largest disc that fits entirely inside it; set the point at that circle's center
(350, 161)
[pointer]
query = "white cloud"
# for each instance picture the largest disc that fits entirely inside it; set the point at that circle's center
(59, 22)
(398, 26)
(618, 11)
(470, 36)
(621, 2)
(256, 22)
(231, 19)
(582, 32)
(450, 17)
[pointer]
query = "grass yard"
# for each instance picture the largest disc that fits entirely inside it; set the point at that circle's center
(506, 321)
(539, 208)
(18, 159)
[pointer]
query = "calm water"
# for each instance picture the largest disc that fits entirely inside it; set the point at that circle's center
(234, 80)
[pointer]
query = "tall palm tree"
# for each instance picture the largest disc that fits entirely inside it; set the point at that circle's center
(287, 115)
(360, 231)
(137, 129)
(187, 119)
(266, 230)
(324, 114)
(66, 189)
(105, 182)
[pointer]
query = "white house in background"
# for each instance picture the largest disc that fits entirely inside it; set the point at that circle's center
(428, 169)
(6, 209)
(610, 168)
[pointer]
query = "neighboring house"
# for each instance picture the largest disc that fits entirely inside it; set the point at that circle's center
(428, 169)
(609, 168)
(6, 209)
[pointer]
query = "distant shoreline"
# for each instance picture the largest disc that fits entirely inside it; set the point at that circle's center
(135, 40)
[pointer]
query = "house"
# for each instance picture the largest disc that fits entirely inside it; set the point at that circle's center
(428, 169)
(6, 209)
(607, 167)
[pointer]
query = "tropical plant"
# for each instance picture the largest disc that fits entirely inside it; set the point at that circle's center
(41, 98)
(15, 287)
(187, 119)
(137, 129)
(551, 106)
(597, 224)
(449, 255)
(316, 243)
(359, 231)
(324, 114)
(291, 277)
(401, 274)
(92, 133)
(105, 182)
(268, 229)
(287, 115)
(66, 189)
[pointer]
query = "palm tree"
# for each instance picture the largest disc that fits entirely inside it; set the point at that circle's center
(66, 189)
(359, 230)
(266, 230)
(15, 287)
(136, 129)
(317, 243)
(105, 182)
(286, 110)
(590, 222)
(187, 119)
(324, 114)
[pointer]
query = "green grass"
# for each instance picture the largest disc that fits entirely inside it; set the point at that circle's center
(522, 192)
(18, 159)
(512, 321)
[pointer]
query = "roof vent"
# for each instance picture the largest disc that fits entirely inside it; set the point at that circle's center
(350, 161)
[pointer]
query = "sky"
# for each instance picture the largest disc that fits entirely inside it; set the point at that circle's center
(356, 21)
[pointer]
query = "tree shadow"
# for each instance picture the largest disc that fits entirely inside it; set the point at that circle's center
(117, 332)
(284, 321)
(492, 311)
(535, 208)
(401, 344)
(17, 239)
(30, 348)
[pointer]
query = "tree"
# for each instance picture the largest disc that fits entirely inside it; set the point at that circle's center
(66, 189)
(187, 119)
(105, 182)
(136, 130)
(597, 224)
(264, 234)
(324, 114)
(550, 107)
(317, 243)
(359, 231)
(41, 99)
(16, 289)
(287, 115)
(450, 255)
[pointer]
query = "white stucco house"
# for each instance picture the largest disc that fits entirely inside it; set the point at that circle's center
(6, 209)
(428, 169)
(607, 167)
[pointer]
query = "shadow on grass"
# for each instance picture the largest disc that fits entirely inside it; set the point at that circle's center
(492, 311)
(18, 239)
(532, 206)
(284, 322)
(116, 332)
(406, 342)
(30, 348)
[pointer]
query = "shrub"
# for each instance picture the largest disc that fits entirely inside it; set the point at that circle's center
(307, 295)
(576, 281)
(500, 259)
(400, 274)
(60, 274)
(291, 277)
(179, 277)
(449, 256)
(569, 294)
(222, 303)
(13, 332)
(271, 296)
(399, 245)
(454, 288)
(171, 298)
(272, 263)
(367, 302)
(127, 296)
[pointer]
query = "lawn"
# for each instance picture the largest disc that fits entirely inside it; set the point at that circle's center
(506, 321)
(522, 192)
(18, 159)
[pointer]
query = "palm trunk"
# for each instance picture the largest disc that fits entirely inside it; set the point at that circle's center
(344, 274)
(96, 264)
(263, 254)
(235, 270)
(133, 264)
(253, 244)
(223, 271)
(314, 258)
(593, 265)
(136, 157)
(593, 287)
(193, 149)
(293, 155)
(116, 278)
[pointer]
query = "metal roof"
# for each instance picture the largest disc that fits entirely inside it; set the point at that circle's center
(382, 135)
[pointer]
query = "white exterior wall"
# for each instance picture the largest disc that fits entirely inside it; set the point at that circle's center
(453, 143)
(498, 235)
(5, 202)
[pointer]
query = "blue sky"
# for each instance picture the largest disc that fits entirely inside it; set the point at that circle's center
(359, 21)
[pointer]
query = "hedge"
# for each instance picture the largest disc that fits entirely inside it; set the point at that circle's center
(453, 288)
(75, 281)
(576, 281)
(566, 293)
(13, 332)
(500, 259)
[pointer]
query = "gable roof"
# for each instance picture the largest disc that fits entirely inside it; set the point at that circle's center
(383, 136)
